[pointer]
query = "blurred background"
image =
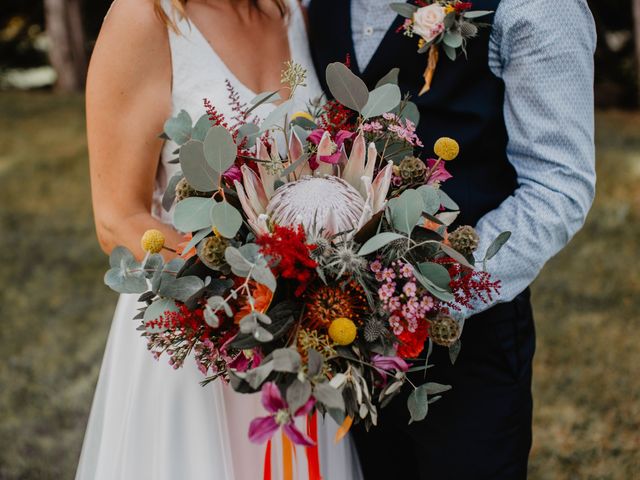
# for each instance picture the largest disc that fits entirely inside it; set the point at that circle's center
(56, 313)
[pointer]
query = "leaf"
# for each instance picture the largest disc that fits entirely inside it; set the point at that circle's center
(286, 360)
(477, 13)
(346, 87)
(457, 256)
(454, 351)
(431, 199)
(437, 274)
(406, 210)
(298, 394)
(181, 288)
(446, 201)
(276, 116)
(378, 241)
(450, 52)
(226, 219)
(201, 128)
(197, 237)
(192, 214)
(157, 309)
(219, 149)
(404, 9)
(239, 265)
(433, 388)
(434, 289)
(453, 39)
(496, 245)
(125, 274)
(153, 264)
(410, 112)
(170, 193)
(264, 276)
(330, 397)
(389, 78)
(250, 132)
(265, 97)
(315, 360)
(178, 128)
(382, 100)
(195, 168)
(418, 405)
(256, 376)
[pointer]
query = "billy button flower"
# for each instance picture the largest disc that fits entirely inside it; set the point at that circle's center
(343, 331)
(305, 115)
(152, 241)
(446, 148)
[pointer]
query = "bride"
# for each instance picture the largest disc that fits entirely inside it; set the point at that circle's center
(153, 58)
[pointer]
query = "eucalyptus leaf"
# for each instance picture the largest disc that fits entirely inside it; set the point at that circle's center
(431, 199)
(298, 393)
(256, 376)
(457, 256)
(450, 52)
(405, 10)
(219, 149)
(433, 388)
(264, 275)
(192, 214)
(418, 405)
(496, 245)
(410, 112)
(286, 360)
(446, 201)
(453, 39)
(454, 351)
(477, 13)
(157, 310)
(346, 87)
(226, 219)
(180, 288)
(125, 274)
(276, 117)
(178, 128)
(265, 97)
(195, 239)
(200, 129)
(315, 360)
(239, 265)
(378, 241)
(382, 100)
(250, 132)
(195, 168)
(389, 78)
(330, 397)
(169, 195)
(437, 274)
(433, 289)
(406, 210)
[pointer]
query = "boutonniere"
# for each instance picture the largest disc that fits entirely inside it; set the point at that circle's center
(449, 24)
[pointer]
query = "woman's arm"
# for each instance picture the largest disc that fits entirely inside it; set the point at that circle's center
(128, 100)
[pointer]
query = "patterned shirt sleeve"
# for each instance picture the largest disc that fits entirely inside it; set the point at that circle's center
(543, 51)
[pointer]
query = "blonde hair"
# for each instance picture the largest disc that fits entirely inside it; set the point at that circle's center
(178, 7)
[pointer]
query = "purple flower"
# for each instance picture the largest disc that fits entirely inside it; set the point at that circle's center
(263, 428)
(440, 174)
(385, 365)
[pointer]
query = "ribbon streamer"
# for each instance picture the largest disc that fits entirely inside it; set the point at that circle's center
(267, 462)
(432, 63)
(313, 459)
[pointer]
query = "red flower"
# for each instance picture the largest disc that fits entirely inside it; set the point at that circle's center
(462, 6)
(290, 255)
(412, 344)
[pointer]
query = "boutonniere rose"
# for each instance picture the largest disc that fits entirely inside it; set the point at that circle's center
(439, 23)
(428, 22)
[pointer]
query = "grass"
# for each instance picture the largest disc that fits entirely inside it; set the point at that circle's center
(56, 312)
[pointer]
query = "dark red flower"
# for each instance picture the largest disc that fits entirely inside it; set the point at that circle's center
(412, 344)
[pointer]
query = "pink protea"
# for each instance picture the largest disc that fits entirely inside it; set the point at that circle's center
(280, 415)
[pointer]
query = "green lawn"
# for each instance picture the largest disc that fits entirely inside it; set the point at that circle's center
(56, 312)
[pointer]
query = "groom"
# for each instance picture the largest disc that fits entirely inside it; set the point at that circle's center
(521, 106)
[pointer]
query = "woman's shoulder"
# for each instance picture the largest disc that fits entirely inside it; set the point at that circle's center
(134, 17)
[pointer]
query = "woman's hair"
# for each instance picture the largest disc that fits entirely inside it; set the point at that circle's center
(178, 6)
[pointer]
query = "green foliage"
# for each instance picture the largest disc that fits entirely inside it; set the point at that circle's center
(346, 87)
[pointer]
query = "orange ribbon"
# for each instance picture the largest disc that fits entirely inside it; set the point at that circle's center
(287, 457)
(344, 428)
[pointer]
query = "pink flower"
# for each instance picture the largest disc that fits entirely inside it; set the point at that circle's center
(439, 175)
(428, 22)
(388, 274)
(329, 150)
(263, 428)
(385, 365)
(232, 174)
(406, 271)
(409, 289)
(376, 266)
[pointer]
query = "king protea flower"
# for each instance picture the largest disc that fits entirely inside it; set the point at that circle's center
(334, 198)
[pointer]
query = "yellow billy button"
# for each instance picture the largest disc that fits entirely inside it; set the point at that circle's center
(446, 148)
(305, 115)
(152, 241)
(343, 331)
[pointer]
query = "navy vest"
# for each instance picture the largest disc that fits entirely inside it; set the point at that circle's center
(465, 101)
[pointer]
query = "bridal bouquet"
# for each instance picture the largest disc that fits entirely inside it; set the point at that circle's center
(319, 266)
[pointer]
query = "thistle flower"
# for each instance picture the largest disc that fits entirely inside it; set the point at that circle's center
(280, 415)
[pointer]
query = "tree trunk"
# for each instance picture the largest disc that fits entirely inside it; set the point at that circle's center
(636, 23)
(66, 43)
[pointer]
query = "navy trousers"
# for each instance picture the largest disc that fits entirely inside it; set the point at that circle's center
(479, 430)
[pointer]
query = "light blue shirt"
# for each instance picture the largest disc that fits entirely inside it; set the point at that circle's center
(543, 51)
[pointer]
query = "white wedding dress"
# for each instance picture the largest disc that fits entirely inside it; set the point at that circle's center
(149, 421)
